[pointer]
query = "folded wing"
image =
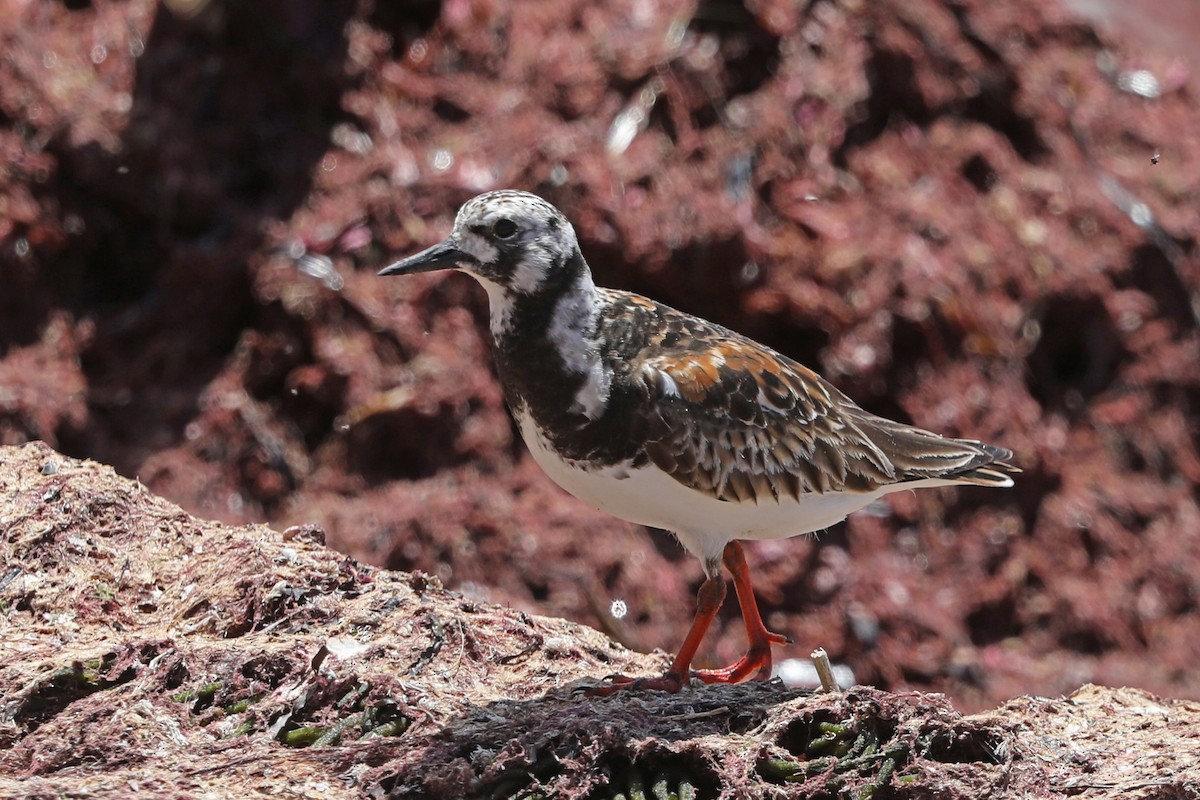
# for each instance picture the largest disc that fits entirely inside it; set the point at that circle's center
(740, 422)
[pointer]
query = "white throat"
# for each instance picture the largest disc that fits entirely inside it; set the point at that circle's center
(500, 306)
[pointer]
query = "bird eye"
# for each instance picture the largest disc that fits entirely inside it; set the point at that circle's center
(504, 228)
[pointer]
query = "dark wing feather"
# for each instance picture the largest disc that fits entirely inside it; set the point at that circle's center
(740, 422)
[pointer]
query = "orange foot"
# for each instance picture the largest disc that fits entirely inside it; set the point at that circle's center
(756, 660)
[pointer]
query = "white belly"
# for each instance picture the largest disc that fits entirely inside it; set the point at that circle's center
(704, 525)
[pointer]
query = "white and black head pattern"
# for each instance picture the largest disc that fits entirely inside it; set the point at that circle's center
(514, 243)
(517, 240)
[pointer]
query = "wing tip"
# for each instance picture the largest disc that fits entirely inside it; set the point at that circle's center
(996, 471)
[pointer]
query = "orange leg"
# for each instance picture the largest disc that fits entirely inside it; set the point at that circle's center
(709, 600)
(708, 603)
(758, 655)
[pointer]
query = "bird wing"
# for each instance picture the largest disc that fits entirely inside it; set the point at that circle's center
(739, 421)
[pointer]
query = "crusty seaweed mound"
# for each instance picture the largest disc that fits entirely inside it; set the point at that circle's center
(144, 652)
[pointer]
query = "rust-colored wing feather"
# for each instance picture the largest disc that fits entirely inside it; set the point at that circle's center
(740, 422)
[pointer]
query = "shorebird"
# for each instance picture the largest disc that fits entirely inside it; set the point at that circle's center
(667, 420)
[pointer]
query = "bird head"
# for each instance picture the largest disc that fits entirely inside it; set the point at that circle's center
(512, 242)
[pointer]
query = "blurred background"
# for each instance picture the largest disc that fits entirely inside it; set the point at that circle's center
(978, 217)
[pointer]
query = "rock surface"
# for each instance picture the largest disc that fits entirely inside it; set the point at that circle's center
(145, 652)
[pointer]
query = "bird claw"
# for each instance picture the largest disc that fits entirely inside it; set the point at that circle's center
(757, 660)
(667, 682)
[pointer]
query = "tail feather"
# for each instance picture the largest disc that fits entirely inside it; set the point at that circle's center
(919, 454)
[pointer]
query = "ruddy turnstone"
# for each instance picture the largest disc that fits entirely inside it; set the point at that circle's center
(667, 420)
